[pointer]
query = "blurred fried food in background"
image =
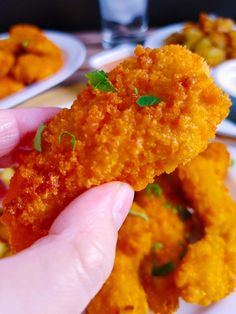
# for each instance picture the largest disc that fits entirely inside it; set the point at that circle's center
(26, 56)
(212, 38)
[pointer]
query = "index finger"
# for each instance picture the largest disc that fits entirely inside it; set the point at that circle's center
(16, 123)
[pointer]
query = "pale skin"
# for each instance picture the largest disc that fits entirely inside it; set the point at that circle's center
(63, 271)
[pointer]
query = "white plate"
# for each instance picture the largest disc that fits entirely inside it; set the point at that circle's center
(74, 53)
(156, 39)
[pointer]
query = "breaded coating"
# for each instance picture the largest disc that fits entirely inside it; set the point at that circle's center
(135, 235)
(207, 272)
(122, 293)
(168, 245)
(6, 62)
(30, 68)
(24, 31)
(116, 139)
(9, 86)
(26, 57)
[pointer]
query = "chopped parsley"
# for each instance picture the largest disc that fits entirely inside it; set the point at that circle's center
(148, 100)
(138, 214)
(153, 188)
(136, 91)
(163, 270)
(183, 212)
(38, 138)
(157, 246)
(25, 43)
(99, 80)
(183, 253)
(73, 138)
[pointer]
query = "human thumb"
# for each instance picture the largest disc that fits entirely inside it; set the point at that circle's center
(61, 272)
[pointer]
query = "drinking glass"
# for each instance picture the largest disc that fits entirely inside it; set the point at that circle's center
(123, 21)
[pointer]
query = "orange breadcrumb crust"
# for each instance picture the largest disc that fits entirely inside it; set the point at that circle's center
(117, 139)
(168, 229)
(207, 272)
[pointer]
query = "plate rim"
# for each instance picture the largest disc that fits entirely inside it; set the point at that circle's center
(62, 74)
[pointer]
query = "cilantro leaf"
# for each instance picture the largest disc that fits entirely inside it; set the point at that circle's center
(163, 270)
(38, 138)
(136, 91)
(73, 138)
(157, 246)
(99, 80)
(153, 188)
(148, 100)
(138, 214)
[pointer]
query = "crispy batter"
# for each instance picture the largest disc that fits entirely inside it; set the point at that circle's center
(9, 86)
(24, 31)
(122, 292)
(115, 138)
(27, 56)
(6, 62)
(30, 68)
(169, 230)
(135, 236)
(207, 273)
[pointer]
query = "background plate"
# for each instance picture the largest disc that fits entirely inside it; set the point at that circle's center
(74, 53)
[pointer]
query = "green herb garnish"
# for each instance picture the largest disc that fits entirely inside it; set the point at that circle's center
(138, 214)
(163, 270)
(183, 253)
(148, 100)
(183, 212)
(168, 205)
(232, 162)
(38, 138)
(99, 80)
(73, 138)
(153, 188)
(25, 43)
(157, 246)
(136, 91)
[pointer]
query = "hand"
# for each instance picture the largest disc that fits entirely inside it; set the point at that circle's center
(63, 271)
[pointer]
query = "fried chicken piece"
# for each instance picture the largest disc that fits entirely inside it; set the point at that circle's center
(116, 139)
(122, 292)
(207, 272)
(168, 245)
(9, 86)
(10, 45)
(135, 235)
(30, 68)
(22, 32)
(6, 62)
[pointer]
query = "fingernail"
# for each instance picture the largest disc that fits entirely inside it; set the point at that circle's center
(123, 199)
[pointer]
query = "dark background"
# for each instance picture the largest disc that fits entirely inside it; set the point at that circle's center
(73, 15)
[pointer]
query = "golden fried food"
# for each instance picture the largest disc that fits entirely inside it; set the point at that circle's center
(22, 32)
(27, 56)
(135, 235)
(122, 292)
(207, 272)
(6, 63)
(113, 138)
(212, 38)
(168, 245)
(30, 68)
(9, 86)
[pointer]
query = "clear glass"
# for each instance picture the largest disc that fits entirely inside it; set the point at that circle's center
(123, 21)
